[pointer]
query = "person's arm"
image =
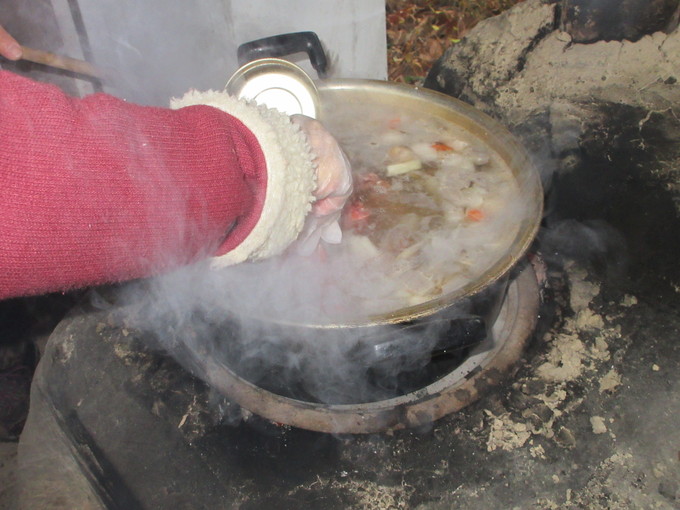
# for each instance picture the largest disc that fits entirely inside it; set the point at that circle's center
(98, 190)
(9, 47)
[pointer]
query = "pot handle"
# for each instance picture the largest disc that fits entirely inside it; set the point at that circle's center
(450, 335)
(286, 44)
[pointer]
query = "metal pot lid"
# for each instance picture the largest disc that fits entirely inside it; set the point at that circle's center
(277, 84)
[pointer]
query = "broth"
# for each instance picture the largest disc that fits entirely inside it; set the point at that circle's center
(434, 207)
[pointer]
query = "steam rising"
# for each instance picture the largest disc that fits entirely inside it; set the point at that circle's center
(254, 318)
(274, 323)
(193, 317)
(593, 242)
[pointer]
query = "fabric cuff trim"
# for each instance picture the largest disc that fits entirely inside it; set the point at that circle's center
(291, 176)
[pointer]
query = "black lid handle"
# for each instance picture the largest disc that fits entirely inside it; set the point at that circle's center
(286, 44)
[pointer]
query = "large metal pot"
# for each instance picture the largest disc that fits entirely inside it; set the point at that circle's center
(328, 96)
(338, 92)
(373, 338)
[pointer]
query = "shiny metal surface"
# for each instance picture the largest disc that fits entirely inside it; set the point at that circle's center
(335, 93)
(277, 84)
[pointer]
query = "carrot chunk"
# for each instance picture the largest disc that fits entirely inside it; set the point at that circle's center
(474, 215)
(441, 147)
(394, 123)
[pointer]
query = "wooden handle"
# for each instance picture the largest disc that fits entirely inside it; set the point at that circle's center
(69, 64)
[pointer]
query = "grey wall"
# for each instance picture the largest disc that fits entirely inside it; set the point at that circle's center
(157, 49)
(152, 50)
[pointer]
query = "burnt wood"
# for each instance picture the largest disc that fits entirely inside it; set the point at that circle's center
(616, 20)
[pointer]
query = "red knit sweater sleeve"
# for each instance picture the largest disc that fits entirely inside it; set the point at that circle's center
(98, 190)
